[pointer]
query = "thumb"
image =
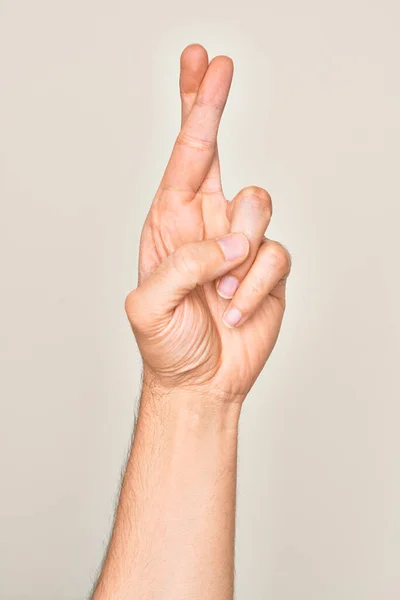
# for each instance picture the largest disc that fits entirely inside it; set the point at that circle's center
(190, 265)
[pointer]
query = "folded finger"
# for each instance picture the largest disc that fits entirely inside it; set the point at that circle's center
(251, 214)
(270, 268)
(190, 265)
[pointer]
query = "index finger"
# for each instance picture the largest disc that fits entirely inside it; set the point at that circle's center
(194, 148)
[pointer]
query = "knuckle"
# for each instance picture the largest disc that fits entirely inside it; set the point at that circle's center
(132, 306)
(255, 191)
(214, 104)
(194, 142)
(258, 198)
(279, 257)
(186, 261)
(129, 301)
(257, 286)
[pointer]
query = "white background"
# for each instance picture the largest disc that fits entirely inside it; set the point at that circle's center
(89, 109)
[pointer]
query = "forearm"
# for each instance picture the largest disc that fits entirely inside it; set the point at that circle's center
(174, 531)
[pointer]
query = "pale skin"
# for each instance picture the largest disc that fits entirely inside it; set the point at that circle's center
(206, 315)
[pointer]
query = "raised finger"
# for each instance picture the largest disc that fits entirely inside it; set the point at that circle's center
(195, 146)
(194, 64)
(251, 214)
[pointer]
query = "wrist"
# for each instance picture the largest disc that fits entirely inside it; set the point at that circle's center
(193, 407)
(209, 389)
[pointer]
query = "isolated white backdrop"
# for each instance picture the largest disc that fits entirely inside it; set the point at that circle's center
(89, 111)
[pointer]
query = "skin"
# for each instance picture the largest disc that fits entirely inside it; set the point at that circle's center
(206, 315)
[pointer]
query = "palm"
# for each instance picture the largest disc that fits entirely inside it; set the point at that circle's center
(222, 354)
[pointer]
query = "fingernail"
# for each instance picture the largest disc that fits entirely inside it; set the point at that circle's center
(227, 286)
(232, 317)
(234, 245)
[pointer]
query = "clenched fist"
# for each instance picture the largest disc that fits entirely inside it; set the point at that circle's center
(211, 295)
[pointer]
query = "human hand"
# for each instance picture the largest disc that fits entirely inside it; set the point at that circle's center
(211, 295)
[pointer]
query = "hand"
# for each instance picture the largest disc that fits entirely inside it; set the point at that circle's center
(211, 295)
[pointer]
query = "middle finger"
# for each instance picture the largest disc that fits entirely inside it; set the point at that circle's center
(195, 146)
(194, 63)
